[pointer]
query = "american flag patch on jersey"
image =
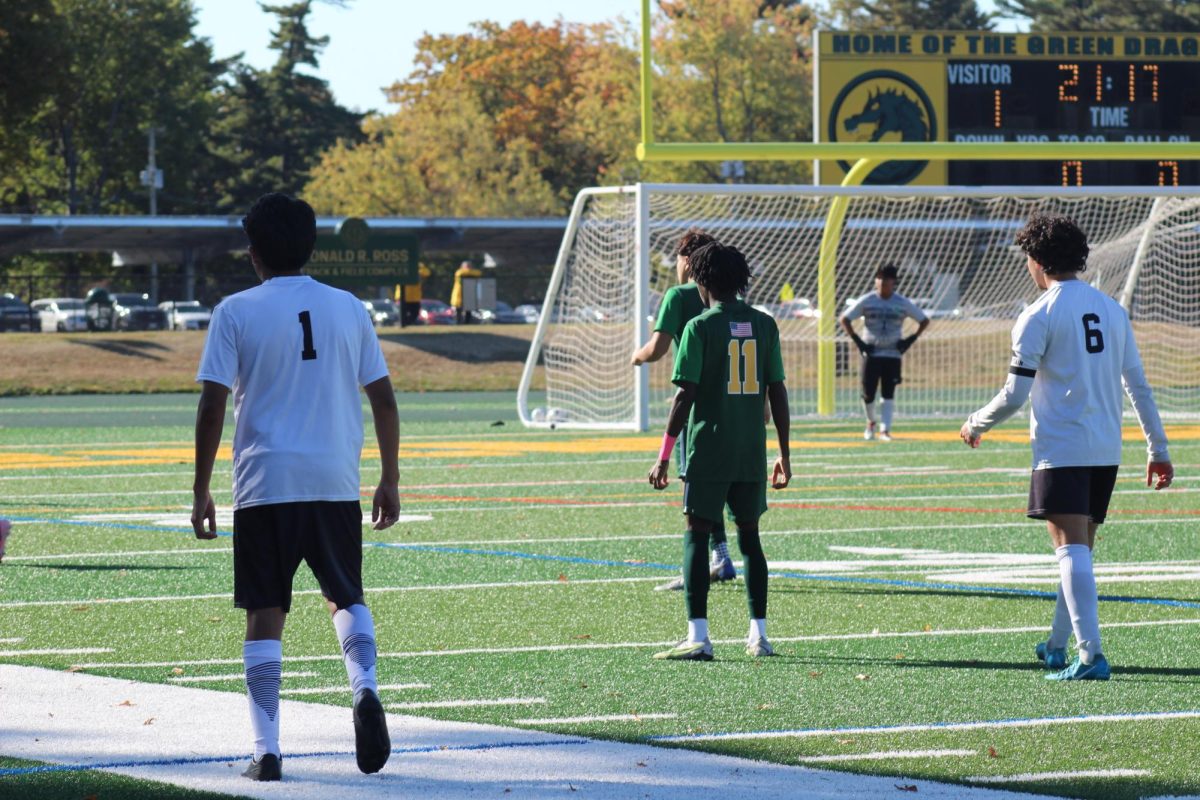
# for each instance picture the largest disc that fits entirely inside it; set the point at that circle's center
(740, 330)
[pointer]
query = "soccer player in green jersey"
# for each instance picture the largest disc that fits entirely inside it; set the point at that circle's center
(680, 304)
(728, 358)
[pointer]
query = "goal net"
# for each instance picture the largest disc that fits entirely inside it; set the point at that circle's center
(954, 250)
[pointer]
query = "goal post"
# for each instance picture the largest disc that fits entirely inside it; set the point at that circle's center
(953, 247)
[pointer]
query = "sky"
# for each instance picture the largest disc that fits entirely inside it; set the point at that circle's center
(372, 41)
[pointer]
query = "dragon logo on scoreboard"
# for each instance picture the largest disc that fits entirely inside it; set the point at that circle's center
(884, 106)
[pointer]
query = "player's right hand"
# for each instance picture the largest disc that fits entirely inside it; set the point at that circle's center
(659, 477)
(781, 473)
(1163, 471)
(204, 510)
(385, 508)
(972, 439)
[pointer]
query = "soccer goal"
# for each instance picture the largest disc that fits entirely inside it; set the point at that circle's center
(953, 247)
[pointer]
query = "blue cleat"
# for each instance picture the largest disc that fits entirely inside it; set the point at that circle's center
(721, 571)
(1052, 657)
(1078, 671)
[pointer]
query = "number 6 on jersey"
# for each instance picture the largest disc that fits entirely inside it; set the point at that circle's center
(743, 366)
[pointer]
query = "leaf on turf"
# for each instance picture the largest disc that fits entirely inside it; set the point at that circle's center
(82, 608)
(927, 628)
(214, 619)
(582, 636)
(862, 676)
(845, 741)
(766, 706)
(75, 668)
(177, 671)
(562, 578)
(128, 703)
(992, 753)
(641, 763)
(905, 787)
(900, 656)
(814, 674)
(149, 721)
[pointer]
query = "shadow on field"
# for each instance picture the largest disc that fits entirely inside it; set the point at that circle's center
(103, 567)
(1119, 670)
(133, 348)
(469, 347)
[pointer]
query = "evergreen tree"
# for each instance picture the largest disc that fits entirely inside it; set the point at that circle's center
(909, 14)
(1175, 16)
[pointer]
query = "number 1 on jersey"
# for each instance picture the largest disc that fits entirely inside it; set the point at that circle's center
(743, 366)
(309, 353)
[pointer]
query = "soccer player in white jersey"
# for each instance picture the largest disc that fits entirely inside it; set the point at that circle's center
(883, 312)
(1073, 349)
(295, 352)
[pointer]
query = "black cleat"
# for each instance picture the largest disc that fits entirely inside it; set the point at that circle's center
(267, 768)
(371, 743)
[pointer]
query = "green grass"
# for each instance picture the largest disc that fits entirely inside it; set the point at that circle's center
(537, 512)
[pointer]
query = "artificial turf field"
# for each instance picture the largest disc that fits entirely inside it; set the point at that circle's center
(908, 591)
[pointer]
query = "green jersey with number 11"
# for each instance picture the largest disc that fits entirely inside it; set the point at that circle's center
(731, 352)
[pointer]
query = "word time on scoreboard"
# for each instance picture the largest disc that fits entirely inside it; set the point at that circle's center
(980, 86)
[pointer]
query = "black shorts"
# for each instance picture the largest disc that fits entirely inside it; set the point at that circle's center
(876, 371)
(270, 541)
(1071, 490)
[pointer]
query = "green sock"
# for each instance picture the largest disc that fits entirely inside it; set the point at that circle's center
(754, 567)
(695, 574)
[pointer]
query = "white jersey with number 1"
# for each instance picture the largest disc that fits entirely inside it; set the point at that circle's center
(294, 352)
(1077, 345)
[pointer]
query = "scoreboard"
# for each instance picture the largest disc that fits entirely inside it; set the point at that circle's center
(975, 86)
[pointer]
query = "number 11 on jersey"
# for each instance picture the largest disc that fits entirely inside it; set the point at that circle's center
(743, 366)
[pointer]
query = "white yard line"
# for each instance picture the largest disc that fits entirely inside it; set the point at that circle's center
(600, 718)
(498, 701)
(441, 587)
(554, 648)
(343, 689)
(13, 640)
(809, 733)
(1030, 777)
(115, 554)
(885, 755)
(70, 651)
(232, 676)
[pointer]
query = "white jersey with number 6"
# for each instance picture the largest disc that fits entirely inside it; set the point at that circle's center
(294, 352)
(1077, 345)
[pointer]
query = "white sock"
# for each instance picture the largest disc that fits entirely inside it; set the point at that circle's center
(720, 552)
(886, 409)
(356, 632)
(758, 629)
(697, 630)
(263, 660)
(870, 409)
(1060, 628)
(1079, 590)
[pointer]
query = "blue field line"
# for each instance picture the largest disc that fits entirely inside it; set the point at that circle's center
(172, 762)
(600, 562)
(1015, 722)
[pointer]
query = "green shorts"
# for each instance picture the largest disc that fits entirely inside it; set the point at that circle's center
(746, 502)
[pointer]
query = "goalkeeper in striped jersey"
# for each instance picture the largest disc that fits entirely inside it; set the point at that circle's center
(883, 312)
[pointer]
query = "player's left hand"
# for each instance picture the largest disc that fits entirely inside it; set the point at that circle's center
(204, 510)
(385, 509)
(659, 477)
(1163, 471)
(965, 434)
(781, 473)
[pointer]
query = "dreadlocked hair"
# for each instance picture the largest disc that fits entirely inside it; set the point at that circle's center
(721, 269)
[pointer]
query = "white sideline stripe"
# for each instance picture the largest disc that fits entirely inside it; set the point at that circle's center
(118, 553)
(553, 648)
(232, 676)
(1029, 777)
(71, 651)
(498, 701)
(600, 718)
(344, 688)
(441, 587)
(948, 726)
(13, 640)
(885, 755)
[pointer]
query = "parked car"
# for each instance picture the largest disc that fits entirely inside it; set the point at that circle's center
(435, 312)
(502, 314)
(383, 312)
(529, 312)
(15, 315)
(186, 315)
(136, 312)
(63, 314)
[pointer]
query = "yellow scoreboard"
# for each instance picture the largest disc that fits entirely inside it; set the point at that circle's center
(976, 86)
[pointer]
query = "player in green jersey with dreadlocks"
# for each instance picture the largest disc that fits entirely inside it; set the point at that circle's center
(728, 359)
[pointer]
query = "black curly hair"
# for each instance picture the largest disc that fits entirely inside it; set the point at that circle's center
(1056, 243)
(721, 269)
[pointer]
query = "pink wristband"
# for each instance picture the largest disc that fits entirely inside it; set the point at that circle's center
(667, 446)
